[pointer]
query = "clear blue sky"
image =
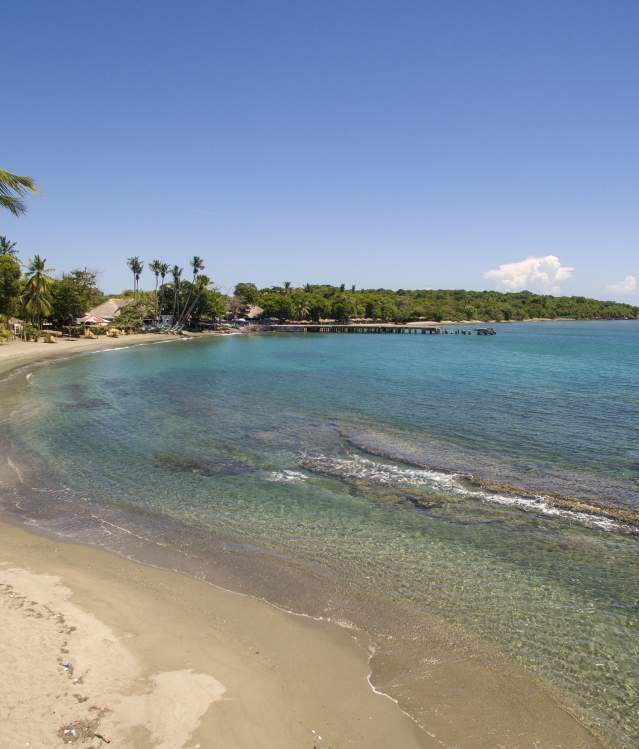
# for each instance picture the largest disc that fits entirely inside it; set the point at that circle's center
(396, 144)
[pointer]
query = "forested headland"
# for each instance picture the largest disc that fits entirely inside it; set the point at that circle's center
(315, 302)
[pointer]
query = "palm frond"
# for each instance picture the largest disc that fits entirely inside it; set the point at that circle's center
(15, 205)
(14, 184)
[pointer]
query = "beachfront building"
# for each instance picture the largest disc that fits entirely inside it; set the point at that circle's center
(253, 312)
(92, 320)
(15, 326)
(106, 312)
(247, 314)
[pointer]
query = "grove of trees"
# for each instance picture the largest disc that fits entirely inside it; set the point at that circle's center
(319, 301)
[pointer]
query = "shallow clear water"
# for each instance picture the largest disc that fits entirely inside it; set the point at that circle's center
(334, 473)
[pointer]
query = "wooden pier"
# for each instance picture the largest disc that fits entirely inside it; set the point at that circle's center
(376, 329)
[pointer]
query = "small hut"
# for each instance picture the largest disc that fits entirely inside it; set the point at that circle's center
(15, 326)
(93, 320)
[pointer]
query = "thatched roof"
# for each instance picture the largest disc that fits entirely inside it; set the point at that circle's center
(254, 312)
(92, 320)
(110, 308)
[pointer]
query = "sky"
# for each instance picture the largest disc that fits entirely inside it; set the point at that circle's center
(479, 145)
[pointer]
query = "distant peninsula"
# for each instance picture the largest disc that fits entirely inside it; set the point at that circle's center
(320, 301)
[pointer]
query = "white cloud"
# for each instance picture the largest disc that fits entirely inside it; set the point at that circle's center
(543, 273)
(627, 286)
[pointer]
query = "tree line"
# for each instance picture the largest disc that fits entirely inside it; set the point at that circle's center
(313, 302)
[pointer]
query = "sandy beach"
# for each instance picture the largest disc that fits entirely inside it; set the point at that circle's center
(18, 354)
(98, 649)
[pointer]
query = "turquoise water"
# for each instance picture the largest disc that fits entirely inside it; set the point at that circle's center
(341, 476)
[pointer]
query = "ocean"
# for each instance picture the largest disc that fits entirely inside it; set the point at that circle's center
(444, 494)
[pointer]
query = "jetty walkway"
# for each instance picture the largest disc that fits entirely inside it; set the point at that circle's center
(377, 329)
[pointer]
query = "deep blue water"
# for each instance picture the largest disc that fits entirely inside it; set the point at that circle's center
(356, 458)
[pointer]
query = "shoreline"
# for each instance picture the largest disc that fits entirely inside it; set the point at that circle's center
(149, 658)
(86, 567)
(17, 355)
(193, 631)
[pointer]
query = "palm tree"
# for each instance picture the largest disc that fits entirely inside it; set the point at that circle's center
(12, 189)
(287, 287)
(136, 266)
(176, 272)
(36, 296)
(197, 264)
(300, 307)
(164, 269)
(200, 285)
(155, 266)
(7, 247)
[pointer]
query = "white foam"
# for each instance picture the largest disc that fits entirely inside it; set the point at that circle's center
(355, 467)
(286, 477)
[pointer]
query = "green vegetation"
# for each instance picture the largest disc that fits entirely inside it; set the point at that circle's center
(39, 298)
(10, 286)
(191, 301)
(73, 295)
(187, 302)
(36, 296)
(7, 247)
(315, 302)
(13, 188)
